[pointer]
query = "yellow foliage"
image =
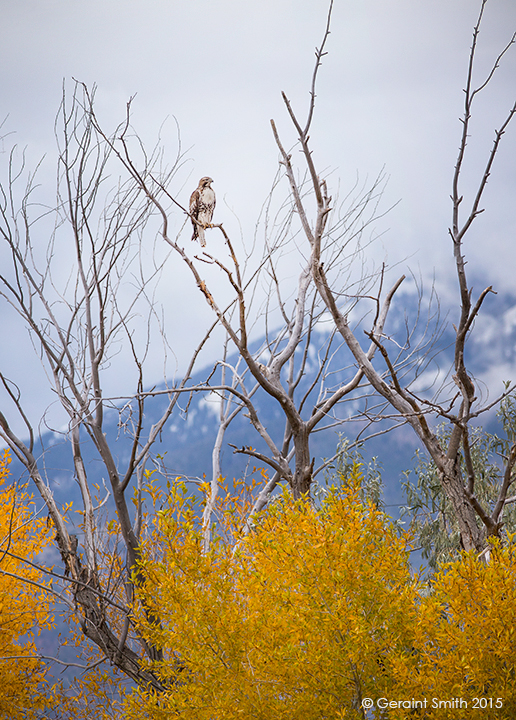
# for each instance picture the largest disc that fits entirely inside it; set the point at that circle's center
(465, 638)
(94, 694)
(316, 611)
(297, 620)
(24, 602)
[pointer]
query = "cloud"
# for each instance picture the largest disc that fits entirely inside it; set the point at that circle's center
(389, 94)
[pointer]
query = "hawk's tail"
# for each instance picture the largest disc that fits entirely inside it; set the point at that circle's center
(198, 233)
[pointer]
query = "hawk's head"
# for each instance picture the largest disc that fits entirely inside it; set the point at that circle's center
(205, 182)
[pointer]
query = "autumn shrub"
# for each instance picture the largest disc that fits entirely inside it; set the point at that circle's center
(25, 603)
(317, 610)
(301, 618)
(465, 639)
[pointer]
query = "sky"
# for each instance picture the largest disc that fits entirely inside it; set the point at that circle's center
(389, 97)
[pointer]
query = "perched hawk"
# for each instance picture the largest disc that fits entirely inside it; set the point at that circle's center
(202, 205)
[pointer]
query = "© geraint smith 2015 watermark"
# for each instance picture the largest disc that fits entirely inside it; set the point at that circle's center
(451, 704)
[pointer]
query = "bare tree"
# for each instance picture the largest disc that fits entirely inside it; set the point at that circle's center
(288, 312)
(303, 272)
(81, 314)
(456, 403)
(268, 289)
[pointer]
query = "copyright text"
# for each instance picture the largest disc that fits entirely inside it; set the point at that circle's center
(451, 704)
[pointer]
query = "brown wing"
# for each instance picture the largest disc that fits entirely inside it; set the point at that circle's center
(195, 205)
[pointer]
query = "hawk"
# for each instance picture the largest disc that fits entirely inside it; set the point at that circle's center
(202, 205)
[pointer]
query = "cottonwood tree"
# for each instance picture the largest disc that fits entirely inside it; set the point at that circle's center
(455, 403)
(81, 315)
(306, 275)
(80, 318)
(308, 372)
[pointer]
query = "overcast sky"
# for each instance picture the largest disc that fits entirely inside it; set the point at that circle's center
(389, 95)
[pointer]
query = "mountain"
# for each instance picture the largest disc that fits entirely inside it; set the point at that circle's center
(187, 440)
